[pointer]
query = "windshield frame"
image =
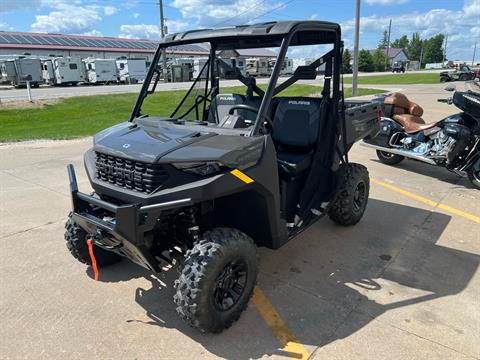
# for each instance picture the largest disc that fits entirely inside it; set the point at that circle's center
(286, 40)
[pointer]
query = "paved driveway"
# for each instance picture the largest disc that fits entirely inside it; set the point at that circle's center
(402, 284)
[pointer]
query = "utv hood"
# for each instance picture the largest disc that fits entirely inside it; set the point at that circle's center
(163, 142)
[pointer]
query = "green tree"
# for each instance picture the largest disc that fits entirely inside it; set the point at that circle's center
(433, 49)
(401, 43)
(346, 67)
(365, 61)
(414, 48)
(383, 43)
(379, 60)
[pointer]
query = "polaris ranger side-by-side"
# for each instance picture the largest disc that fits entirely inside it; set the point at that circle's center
(224, 173)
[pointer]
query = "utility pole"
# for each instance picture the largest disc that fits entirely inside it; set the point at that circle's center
(445, 50)
(162, 34)
(474, 53)
(355, 51)
(388, 43)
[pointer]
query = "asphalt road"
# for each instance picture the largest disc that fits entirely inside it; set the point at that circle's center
(402, 284)
(8, 93)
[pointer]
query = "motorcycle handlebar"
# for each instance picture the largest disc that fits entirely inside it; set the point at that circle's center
(448, 101)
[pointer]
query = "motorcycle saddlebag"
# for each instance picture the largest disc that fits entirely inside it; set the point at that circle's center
(387, 128)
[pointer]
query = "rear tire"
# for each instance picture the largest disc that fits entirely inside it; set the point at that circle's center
(76, 239)
(463, 77)
(388, 158)
(217, 280)
(351, 196)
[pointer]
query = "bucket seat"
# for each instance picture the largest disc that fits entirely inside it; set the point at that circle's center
(295, 131)
(221, 104)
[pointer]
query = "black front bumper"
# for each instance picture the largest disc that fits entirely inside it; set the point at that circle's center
(126, 228)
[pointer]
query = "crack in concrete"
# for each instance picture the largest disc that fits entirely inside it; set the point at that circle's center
(34, 183)
(31, 228)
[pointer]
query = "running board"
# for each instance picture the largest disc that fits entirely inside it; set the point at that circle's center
(406, 153)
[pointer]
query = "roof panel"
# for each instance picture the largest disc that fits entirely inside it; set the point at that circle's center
(34, 39)
(72, 41)
(63, 41)
(12, 39)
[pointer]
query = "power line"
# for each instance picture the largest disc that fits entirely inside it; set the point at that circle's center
(275, 8)
(239, 14)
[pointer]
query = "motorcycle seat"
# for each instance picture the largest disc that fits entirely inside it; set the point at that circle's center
(407, 113)
(412, 124)
(402, 105)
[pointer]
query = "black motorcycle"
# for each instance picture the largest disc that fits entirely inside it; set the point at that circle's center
(453, 142)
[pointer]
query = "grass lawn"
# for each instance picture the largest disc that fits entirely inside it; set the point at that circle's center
(82, 116)
(400, 79)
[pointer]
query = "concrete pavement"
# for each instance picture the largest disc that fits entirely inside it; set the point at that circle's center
(402, 284)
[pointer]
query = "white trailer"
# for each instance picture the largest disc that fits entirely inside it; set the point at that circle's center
(257, 67)
(48, 74)
(25, 67)
(101, 71)
(236, 62)
(69, 70)
(131, 71)
(188, 63)
(198, 65)
(287, 68)
(8, 74)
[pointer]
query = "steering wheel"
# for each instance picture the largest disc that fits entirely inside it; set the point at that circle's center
(251, 109)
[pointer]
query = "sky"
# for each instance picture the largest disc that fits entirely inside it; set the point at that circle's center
(460, 19)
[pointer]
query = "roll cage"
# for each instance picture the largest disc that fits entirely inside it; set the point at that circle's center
(281, 34)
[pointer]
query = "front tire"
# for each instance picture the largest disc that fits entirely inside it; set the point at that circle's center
(389, 158)
(217, 280)
(76, 239)
(351, 196)
(474, 177)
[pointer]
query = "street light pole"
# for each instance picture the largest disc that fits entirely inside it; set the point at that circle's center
(387, 61)
(162, 34)
(355, 51)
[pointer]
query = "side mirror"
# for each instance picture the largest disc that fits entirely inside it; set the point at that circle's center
(450, 87)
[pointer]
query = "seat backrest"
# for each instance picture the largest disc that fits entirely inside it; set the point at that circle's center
(296, 122)
(221, 105)
(402, 105)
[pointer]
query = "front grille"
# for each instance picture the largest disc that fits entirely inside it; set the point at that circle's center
(129, 174)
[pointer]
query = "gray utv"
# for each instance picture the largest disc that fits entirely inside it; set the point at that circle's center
(225, 172)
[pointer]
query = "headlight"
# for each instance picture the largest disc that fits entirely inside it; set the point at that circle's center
(200, 168)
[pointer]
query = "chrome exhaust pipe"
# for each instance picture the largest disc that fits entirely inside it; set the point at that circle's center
(406, 153)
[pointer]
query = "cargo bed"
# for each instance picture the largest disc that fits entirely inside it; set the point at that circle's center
(361, 118)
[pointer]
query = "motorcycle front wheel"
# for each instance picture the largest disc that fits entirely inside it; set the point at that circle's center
(474, 177)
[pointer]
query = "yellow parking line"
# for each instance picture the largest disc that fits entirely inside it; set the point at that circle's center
(288, 341)
(432, 203)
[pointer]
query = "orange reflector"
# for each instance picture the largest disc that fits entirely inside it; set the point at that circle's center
(240, 175)
(92, 257)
